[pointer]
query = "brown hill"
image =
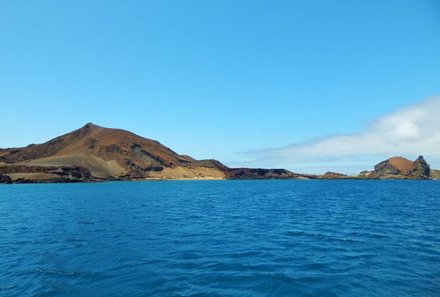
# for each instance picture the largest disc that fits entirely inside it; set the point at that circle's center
(94, 152)
(112, 153)
(402, 164)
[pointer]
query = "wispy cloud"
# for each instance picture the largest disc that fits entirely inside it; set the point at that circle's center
(408, 132)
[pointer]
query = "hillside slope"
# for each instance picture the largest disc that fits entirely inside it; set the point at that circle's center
(112, 153)
(93, 152)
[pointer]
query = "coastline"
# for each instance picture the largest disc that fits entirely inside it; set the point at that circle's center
(70, 181)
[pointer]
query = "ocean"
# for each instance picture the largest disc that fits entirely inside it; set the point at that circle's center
(221, 238)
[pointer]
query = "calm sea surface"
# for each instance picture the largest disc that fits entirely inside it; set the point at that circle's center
(221, 238)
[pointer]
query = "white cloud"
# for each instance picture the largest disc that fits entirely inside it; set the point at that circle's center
(406, 132)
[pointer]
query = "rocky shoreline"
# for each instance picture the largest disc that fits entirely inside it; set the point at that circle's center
(94, 154)
(21, 174)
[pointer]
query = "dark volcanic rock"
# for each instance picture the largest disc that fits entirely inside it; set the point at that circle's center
(334, 175)
(63, 173)
(4, 179)
(420, 169)
(73, 173)
(383, 169)
(258, 173)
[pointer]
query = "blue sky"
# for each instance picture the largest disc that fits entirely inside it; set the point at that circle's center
(216, 79)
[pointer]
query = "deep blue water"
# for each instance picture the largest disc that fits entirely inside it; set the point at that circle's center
(221, 238)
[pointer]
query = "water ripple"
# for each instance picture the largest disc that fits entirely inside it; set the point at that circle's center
(221, 238)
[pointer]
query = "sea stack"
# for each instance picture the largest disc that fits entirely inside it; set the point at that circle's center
(400, 168)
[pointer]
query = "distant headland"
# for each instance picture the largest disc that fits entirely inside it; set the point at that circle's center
(94, 153)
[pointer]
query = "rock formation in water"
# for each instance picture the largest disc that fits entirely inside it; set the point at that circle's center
(399, 168)
(420, 169)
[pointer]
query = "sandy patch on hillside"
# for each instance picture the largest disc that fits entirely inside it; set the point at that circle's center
(98, 167)
(188, 173)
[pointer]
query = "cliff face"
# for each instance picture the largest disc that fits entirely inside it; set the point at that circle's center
(93, 152)
(5, 179)
(420, 169)
(401, 168)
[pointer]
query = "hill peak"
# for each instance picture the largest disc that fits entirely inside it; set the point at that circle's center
(90, 126)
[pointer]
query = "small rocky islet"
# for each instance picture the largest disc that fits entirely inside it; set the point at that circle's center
(93, 153)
